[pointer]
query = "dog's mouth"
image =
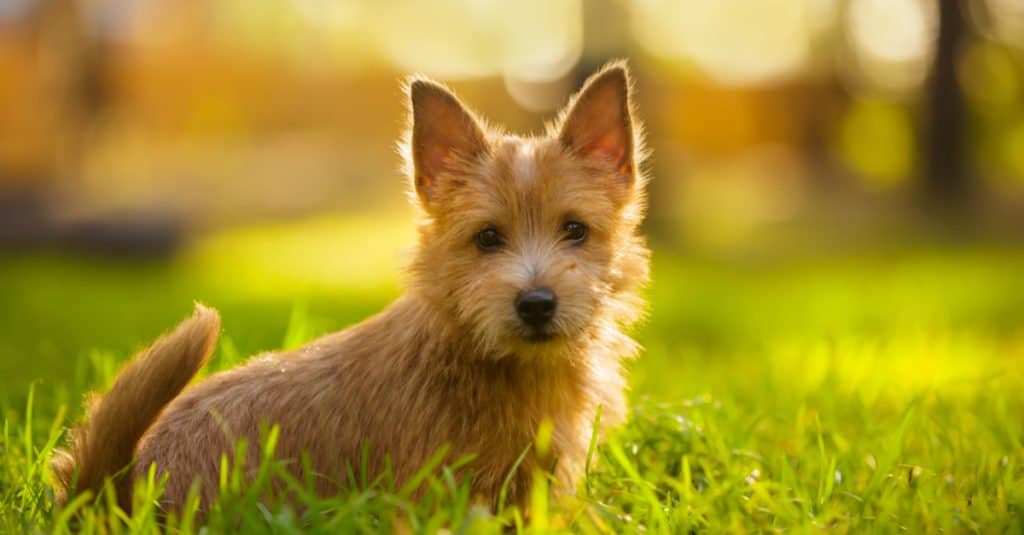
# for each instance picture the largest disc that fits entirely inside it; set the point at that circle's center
(539, 337)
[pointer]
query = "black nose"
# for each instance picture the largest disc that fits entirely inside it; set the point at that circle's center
(536, 307)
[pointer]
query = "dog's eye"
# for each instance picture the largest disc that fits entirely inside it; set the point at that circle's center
(575, 232)
(488, 240)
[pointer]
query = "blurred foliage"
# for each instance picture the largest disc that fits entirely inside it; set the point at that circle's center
(876, 139)
(226, 112)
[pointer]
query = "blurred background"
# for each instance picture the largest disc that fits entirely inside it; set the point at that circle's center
(243, 153)
(130, 123)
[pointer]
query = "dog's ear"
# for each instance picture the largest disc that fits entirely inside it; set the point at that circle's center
(599, 125)
(445, 137)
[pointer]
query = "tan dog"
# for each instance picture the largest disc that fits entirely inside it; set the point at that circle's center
(526, 272)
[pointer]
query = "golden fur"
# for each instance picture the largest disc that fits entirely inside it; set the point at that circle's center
(449, 362)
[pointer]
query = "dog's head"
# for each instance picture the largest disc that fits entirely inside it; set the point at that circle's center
(530, 243)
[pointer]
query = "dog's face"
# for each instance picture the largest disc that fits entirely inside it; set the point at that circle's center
(529, 243)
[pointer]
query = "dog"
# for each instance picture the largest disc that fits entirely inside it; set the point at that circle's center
(528, 271)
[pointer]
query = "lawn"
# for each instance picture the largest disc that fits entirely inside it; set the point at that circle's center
(872, 392)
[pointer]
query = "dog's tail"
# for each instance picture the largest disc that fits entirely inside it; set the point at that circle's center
(103, 444)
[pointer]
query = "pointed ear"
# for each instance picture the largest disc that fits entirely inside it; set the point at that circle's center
(598, 125)
(445, 136)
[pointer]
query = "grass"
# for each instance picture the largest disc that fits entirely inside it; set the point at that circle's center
(873, 393)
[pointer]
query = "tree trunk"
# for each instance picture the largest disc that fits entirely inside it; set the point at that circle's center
(945, 178)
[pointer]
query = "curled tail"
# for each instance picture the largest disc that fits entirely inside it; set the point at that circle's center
(104, 443)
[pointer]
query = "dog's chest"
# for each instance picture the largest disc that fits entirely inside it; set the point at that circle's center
(498, 419)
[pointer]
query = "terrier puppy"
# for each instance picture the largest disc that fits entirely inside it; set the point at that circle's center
(526, 273)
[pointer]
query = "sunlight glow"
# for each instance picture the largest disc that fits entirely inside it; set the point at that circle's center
(326, 254)
(734, 42)
(533, 39)
(891, 41)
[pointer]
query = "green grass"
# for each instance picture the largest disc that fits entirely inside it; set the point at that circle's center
(872, 393)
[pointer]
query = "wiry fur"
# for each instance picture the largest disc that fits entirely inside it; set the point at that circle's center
(104, 444)
(447, 362)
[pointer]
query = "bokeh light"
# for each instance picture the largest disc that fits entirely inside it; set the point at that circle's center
(891, 42)
(876, 139)
(732, 41)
